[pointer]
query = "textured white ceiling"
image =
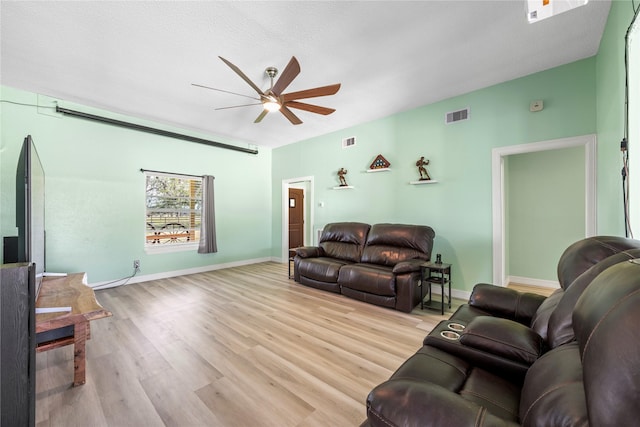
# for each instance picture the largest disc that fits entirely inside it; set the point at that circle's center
(140, 58)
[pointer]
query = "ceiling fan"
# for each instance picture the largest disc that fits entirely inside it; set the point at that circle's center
(273, 99)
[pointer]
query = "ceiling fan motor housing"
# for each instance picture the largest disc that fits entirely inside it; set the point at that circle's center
(271, 72)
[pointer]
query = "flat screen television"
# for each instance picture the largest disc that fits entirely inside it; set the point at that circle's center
(30, 209)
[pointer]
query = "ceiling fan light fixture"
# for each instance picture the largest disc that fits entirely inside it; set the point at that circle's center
(271, 106)
(273, 99)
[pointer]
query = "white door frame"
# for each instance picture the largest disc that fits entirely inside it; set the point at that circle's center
(285, 211)
(498, 202)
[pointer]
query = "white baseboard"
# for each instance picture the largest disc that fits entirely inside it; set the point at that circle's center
(533, 282)
(455, 293)
(174, 273)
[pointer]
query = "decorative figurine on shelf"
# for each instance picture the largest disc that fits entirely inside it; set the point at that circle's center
(424, 175)
(341, 173)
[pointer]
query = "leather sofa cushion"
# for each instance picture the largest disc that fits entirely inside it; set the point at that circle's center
(513, 370)
(344, 240)
(503, 337)
(499, 396)
(505, 302)
(407, 266)
(435, 366)
(560, 322)
(381, 300)
(553, 391)
(424, 392)
(325, 286)
(410, 403)
(466, 313)
(583, 254)
(389, 244)
(606, 320)
(321, 269)
(373, 279)
(540, 321)
(309, 252)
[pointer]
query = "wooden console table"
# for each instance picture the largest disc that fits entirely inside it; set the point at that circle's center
(68, 291)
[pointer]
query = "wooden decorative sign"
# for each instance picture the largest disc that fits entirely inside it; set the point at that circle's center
(380, 163)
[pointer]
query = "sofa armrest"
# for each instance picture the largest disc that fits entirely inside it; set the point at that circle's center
(407, 266)
(309, 252)
(406, 402)
(503, 337)
(505, 302)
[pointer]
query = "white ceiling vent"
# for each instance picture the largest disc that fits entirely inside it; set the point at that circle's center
(349, 142)
(456, 116)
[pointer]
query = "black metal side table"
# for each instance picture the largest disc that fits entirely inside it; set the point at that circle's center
(292, 255)
(438, 274)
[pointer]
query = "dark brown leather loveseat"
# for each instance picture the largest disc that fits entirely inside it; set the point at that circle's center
(572, 359)
(378, 264)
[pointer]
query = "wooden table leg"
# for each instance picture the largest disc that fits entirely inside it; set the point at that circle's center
(79, 359)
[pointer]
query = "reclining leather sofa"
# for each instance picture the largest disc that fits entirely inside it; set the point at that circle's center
(378, 264)
(508, 358)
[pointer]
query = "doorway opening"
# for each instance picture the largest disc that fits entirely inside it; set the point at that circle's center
(303, 186)
(500, 155)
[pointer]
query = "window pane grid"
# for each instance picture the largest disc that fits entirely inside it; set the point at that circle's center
(173, 207)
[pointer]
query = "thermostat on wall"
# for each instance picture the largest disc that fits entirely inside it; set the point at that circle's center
(536, 105)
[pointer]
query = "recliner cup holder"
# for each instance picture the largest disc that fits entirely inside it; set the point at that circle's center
(450, 335)
(457, 327)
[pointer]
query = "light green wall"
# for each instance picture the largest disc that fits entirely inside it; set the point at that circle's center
(610, 83)
(459, 206)
(95, 213)
(95, 210)
(546, 209)
(634, 126)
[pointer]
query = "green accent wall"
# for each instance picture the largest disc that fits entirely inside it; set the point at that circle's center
(95, 192)
(634, 125)
(545, 205)
(610, 82)
(458, 207)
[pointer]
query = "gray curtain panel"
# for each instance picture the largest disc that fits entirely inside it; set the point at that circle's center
(208, 243)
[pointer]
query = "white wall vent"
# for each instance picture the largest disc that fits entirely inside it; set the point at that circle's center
(349, 142)
(456, 116)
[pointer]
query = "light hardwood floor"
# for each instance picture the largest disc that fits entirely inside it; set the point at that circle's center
(242, 346)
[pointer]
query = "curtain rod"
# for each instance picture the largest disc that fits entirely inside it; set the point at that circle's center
(173, 173)
(155, 131)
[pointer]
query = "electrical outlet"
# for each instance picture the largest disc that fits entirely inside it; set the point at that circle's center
(136, 264)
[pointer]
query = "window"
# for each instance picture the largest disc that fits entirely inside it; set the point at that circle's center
(173, 211)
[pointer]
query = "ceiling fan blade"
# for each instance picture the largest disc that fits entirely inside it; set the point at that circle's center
(286, 77)
(225, 91)
(238, 106)
(261, 116)
(242, 75)
(289, 115)
(311, 93)
(309, 107)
